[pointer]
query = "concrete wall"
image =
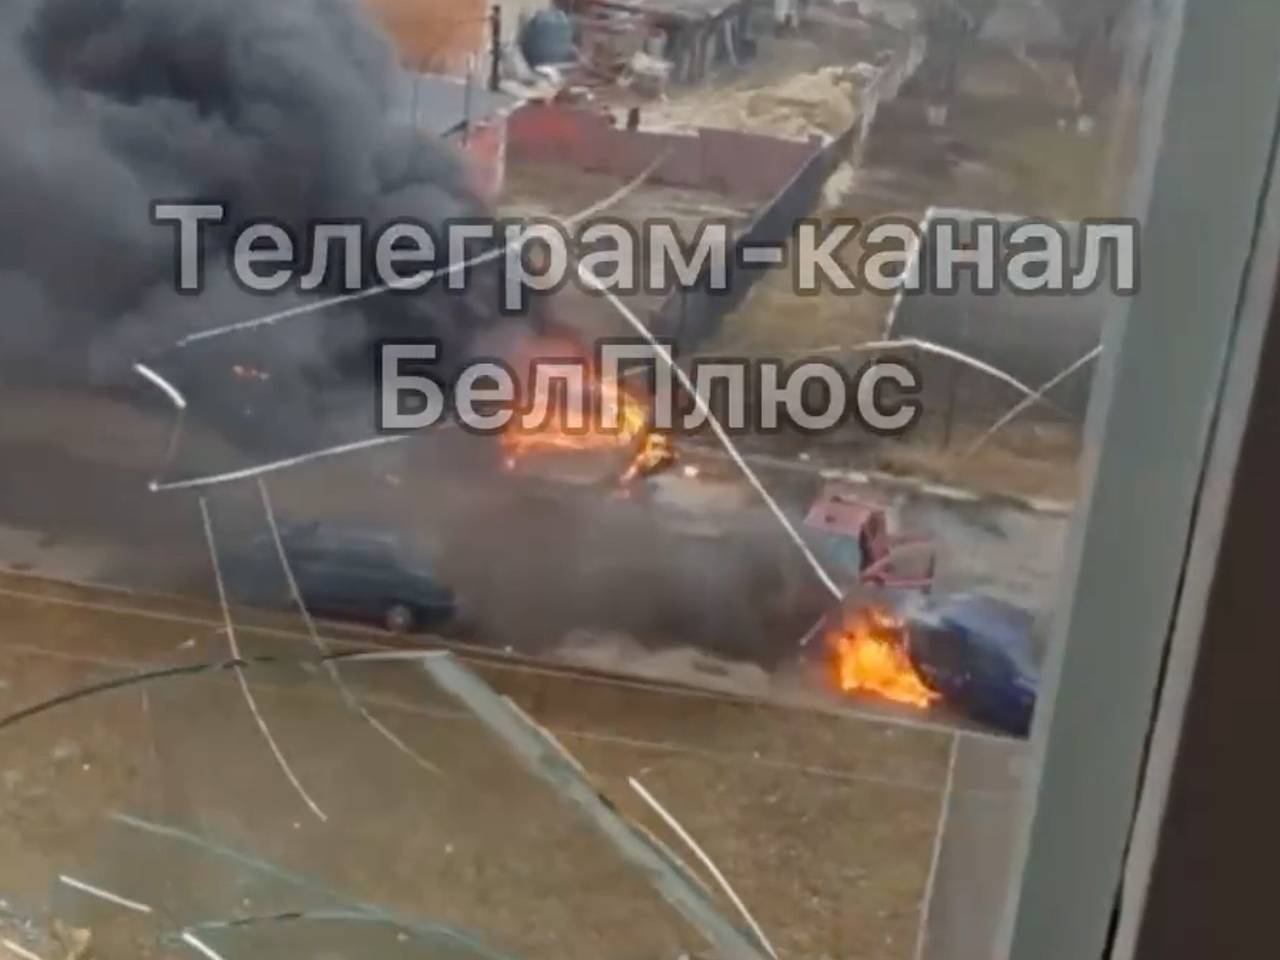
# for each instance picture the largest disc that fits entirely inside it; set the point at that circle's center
(514, 12)
(886, 87)
(692, 316)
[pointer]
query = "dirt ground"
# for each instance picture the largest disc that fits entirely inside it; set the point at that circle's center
(1004, 150)
(477, 843)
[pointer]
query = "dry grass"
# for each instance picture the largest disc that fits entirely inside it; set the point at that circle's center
(485, 846)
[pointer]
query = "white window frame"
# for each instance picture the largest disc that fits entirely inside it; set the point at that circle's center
(1160, 445)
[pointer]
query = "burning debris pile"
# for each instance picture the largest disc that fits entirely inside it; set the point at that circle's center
(657, 453)
(609, 418)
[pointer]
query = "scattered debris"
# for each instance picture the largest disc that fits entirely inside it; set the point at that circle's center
(647, 76)
(64, 751)
(23, 938)
(76, 942)
(695, 36)
(245, 372)
(823, 103)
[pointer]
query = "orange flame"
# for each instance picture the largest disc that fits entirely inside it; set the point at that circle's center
(244, 372)
(655, 453)
(871, 657)
(617, 421)
(605, 417)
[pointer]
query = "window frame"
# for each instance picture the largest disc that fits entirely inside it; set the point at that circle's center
(1160, 444)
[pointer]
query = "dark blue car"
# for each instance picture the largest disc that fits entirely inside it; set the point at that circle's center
(979, 653)
(346, 573)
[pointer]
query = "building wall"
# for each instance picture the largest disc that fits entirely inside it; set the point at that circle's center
(514, 11)
(439, 36)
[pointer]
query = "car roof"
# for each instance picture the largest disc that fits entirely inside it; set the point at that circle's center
(987, 623)
(317, 535)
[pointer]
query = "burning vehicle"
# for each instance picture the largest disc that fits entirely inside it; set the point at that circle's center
(872, 654)
(978, 653)
(608, 425)
(971, 653)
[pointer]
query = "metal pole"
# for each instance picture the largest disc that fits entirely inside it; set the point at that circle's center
(495, 47)
(417, 79)
(466, 106)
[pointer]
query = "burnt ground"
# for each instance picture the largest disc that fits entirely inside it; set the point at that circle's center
(824, 824)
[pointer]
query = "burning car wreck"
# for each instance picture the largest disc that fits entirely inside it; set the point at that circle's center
(978, 653)
(969, 654)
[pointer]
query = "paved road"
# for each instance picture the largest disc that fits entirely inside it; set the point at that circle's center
(76, 505)
(74, 502)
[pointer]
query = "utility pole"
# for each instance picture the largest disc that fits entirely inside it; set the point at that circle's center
(417, 80)
(466, 100)
(495, 47)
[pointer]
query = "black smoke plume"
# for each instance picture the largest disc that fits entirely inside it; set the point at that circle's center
(281, 109)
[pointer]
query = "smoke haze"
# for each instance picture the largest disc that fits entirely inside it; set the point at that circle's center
(279, 109)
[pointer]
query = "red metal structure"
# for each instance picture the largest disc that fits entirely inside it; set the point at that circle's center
(855, 524)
